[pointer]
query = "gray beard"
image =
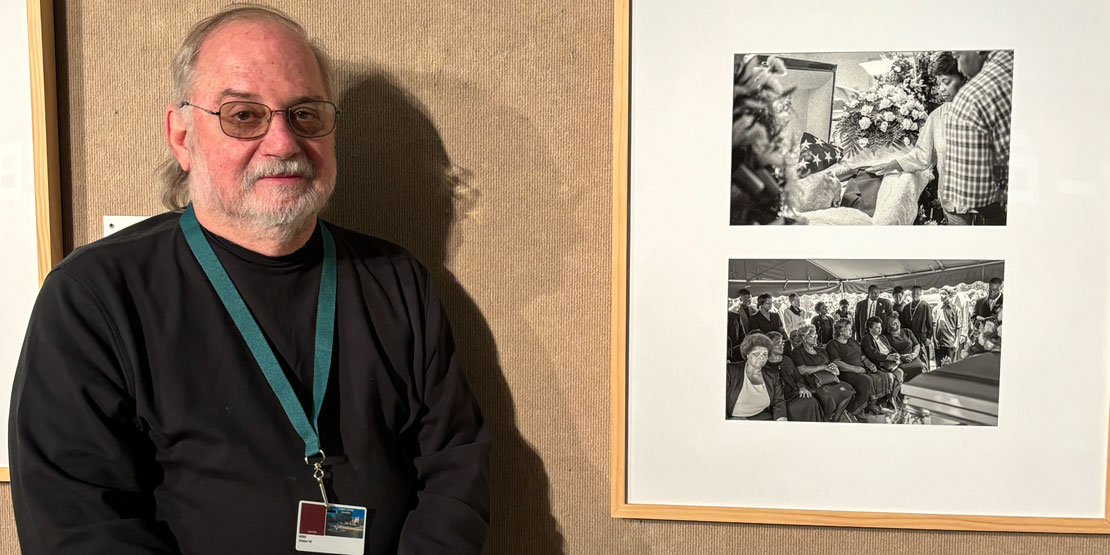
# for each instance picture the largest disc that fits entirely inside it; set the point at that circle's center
(282, 223)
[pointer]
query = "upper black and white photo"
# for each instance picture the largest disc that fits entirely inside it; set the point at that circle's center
(871, 138)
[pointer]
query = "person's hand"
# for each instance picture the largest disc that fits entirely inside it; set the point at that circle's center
(893, 357)
(804, 393)
(907, 358)
(886, 168)
(834, 369)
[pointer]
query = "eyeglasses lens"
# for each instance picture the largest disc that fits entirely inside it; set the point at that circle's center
(249, 120)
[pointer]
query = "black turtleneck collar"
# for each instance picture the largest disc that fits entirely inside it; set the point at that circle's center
(310, 253)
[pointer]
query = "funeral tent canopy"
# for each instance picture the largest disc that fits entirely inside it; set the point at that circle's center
(781, 277)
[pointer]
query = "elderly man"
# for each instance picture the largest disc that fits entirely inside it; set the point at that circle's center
(239, 376)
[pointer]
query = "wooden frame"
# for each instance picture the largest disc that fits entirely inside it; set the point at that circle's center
(619, 505)
(44, 125)
(44, 135)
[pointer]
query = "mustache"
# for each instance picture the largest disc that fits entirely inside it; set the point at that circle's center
(299, 166)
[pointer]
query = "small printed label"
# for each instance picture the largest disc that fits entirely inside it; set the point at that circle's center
(331, 528)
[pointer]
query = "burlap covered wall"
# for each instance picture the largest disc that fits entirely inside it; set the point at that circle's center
(477, 134)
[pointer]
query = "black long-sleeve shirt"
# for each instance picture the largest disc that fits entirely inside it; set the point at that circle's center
(140, 422)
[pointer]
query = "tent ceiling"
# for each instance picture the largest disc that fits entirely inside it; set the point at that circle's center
(782, 276)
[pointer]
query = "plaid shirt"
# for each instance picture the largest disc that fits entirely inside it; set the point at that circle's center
(977, 131)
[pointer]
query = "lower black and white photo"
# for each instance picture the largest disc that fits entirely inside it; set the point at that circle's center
(864, 341)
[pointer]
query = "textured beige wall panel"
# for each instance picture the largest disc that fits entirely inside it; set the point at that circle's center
(475, 133)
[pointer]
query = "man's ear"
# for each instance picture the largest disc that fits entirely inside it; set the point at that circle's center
(176, 135)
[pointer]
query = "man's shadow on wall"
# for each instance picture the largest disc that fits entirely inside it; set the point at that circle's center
(397, 181)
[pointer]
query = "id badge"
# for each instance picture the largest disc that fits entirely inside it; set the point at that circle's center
(327, 528)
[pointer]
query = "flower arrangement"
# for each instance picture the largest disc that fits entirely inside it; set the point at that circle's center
(914, 72)
(892, 112)
(760, 145)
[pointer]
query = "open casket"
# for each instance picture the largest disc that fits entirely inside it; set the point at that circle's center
(964, 392)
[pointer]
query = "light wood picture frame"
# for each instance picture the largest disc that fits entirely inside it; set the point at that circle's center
(44, 125)
(44, 143)
(620, 385)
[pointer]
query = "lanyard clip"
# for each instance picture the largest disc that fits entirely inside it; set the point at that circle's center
(318, 472)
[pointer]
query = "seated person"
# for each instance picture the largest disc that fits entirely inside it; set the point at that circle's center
(752, 391)
(907, 346)
(800, 403)
(807, 359)
(877, 350)
(795, 338)
(869, 383)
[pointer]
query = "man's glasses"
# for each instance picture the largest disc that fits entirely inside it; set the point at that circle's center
(251, 120)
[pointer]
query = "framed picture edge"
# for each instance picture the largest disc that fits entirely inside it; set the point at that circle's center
(618, 378)
(44, 132)
(44, 137)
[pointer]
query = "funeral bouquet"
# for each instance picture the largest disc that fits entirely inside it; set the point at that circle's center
(892, 112)
(762, 166)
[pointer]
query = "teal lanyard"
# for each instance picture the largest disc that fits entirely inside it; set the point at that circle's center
(248, 328)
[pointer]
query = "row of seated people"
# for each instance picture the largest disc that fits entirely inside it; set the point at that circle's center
(840, 380)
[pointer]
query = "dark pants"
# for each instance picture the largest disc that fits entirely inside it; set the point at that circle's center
(765, 415)
(991, 214)
(862, 385)
(912, 369)
(834, 398)
(801, 409)
(942, 352)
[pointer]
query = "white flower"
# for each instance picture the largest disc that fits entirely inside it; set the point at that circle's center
(871, 96)
(864, 122)
(867, 109)
(896, 68)
(854, 104)
(884, 126)
(862, 141)
(903, 111)
(908, 124)
(884, 104)
(888, 116)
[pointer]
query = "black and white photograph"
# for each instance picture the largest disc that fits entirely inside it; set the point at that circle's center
(871, 138)
(864, 341)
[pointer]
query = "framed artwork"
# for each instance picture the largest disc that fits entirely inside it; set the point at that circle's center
(30, 202)
(898, 407)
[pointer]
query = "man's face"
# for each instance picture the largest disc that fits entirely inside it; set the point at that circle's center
(969, 62)
(745, 298)
(795, 301)
(898, 297)
(915, 295)
(944, 296)
(993, 290)
(873, 294)
(279, 178)
(822, 310)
